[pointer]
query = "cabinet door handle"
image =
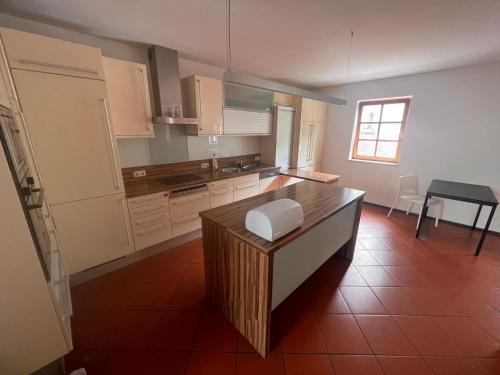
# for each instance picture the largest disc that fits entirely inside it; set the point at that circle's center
(187, 199)
(222, 191)
(143, 210)
(151, 221)
(144, 86)
(57, 66)
(198, 103)
(122, 202)
(111, 143)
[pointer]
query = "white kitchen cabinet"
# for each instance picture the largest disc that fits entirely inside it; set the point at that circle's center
(202, 99)
(189, 204)
(93, 231)
(307, 110)
(185, 224)
(310, 145)
(129, 102)
(239, 121)
(319, 112)
(221, 192)
(44, 54)
(69, 124)
(269, 184)
(150, 219)
(246, 186)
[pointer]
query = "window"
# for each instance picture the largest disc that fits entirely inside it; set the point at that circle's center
(379, 129)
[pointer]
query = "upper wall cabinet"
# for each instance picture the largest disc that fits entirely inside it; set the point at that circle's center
(202, 99)
(128, 94)
(43, 54)
(307, 110)
(319, 112)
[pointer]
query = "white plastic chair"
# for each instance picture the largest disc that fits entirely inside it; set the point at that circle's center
(408, 191)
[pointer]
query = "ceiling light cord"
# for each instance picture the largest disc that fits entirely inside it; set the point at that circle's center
(348, 62)
(228, 35)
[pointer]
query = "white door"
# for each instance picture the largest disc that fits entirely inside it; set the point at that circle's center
(93, 231)
(128, 93)
(69, 126)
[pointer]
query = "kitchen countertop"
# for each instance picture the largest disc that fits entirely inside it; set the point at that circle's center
(310, 175)
(153, 185)
(319, 201)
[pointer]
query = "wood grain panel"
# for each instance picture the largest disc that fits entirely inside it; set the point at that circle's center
(239, 281)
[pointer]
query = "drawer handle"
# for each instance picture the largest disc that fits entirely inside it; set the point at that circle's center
(185, 220)
(150, 221)
(241, 187)
(219, 192)
(57, 66)
(148, 231)
(147, 199)
(187, 199)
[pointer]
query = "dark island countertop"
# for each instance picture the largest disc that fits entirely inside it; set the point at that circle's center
(319, 201)
(153, 185)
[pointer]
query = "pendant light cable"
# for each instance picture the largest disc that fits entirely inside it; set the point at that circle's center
(228, 35)
(348, 63)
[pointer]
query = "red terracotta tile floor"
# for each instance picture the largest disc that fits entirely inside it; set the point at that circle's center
(403, 306)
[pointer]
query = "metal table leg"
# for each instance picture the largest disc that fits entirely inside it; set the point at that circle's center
(424, 215)
(485, 230)
(477, 217)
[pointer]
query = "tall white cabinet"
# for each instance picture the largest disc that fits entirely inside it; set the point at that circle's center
(62, 93)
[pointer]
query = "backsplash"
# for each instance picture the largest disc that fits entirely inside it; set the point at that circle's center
(168, 169)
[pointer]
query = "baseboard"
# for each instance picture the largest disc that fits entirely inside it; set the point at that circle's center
(102, 269)
(490, 232)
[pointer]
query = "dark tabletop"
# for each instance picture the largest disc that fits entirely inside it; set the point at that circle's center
(461, 191)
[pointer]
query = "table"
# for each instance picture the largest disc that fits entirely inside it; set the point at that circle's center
(478, 194)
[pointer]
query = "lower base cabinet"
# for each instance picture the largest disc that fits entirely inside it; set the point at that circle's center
(185, 224)
(246, 186)
(93, 231)
(269, 184)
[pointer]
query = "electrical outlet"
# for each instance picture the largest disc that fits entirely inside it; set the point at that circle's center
(204, 165)
(257, 158)
(140, 173)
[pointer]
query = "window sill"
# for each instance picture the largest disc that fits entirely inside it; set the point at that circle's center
(375, 162)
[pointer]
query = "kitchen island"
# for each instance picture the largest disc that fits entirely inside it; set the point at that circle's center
(247, 276)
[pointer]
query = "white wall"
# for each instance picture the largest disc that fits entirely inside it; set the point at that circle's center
(452, 133)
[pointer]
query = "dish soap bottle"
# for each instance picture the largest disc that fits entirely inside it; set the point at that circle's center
(215, 164)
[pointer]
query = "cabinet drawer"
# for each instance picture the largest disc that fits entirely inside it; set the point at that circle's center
(246, 190)
(221, 197)
(191, 204)
(146, 200)
(152, 235)
(185, 224)
(221, 184)
(147, 221)
(144, 211)
(43, 54)
(249, 178)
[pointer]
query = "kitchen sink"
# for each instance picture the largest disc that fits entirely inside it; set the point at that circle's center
(240, 169)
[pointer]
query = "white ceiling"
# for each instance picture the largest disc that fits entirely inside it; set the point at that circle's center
(300, 41)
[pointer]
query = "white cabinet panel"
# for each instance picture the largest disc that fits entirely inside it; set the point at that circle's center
(43, 54)
(189, 205)
(93, 231)
(242, 122)
(128, 92)
(246, 186)
(69, 126)
(221, 197)
(185, 224)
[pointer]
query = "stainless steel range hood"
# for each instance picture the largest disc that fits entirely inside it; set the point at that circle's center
(166, 84)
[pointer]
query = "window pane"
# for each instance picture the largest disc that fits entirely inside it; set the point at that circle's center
(371, 113)
(368, 131)
(393, 112)
(366, 148)
(389, 132)
(387, 149)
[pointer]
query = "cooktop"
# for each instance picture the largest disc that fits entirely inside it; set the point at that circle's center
(179, 179)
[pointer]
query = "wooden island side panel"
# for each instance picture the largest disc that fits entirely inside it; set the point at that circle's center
(239, 283)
